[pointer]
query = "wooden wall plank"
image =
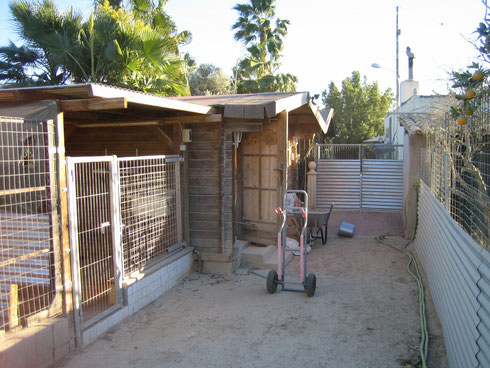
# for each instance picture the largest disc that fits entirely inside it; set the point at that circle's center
(129, 141)
(204, 187)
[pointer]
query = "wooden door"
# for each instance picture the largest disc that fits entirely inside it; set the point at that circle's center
(263, 179)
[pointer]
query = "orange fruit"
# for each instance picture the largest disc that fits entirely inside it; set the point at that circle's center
(468, 112)
(462, 120)
(469, 94)
(478, 76)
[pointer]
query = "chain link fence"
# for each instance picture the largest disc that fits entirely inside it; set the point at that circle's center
(456, 167)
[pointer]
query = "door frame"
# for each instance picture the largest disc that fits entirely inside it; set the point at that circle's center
(247, 229)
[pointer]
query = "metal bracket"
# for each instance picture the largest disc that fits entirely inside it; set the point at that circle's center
(175, 159)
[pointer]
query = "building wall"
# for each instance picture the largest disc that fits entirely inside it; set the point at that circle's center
(119, 141)
(458, 272)
(226, 224)
(204, 176)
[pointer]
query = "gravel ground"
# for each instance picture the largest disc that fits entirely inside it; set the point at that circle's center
(364, 314)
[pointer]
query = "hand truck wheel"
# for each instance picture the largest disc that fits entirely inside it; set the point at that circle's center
(272, 279)
(310, 285)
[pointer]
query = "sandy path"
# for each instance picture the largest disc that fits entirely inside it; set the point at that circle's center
(364, 314)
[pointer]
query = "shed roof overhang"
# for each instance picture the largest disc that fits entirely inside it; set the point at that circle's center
(258, 106)
(96, 103)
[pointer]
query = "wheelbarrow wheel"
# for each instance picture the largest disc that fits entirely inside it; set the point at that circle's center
(310, 285)
(272, 279)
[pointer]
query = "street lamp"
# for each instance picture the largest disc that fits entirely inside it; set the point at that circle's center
(377, 66)
(236, 74)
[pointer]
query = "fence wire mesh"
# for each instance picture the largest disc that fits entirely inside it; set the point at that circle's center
(149, 213)
(360, 151)
(94, 236)
(456, 167)
(28, 193)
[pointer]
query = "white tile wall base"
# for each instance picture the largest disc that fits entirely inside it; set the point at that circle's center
(142, 292)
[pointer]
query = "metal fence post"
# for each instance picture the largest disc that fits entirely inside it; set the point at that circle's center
(116, 227)
(75, 260)
(446, 182)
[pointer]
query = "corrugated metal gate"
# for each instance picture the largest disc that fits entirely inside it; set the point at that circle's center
(360, 177)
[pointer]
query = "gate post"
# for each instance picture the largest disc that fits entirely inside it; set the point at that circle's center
(311, 188)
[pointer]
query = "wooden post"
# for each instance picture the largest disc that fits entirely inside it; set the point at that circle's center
(13, 306)
(178, 200)
(65, 253)
(53, 192)
(311, 189)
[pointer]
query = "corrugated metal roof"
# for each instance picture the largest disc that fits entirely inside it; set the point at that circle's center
(253, 105)
(93, 90)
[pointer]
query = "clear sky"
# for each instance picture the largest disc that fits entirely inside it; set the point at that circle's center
(329, 39)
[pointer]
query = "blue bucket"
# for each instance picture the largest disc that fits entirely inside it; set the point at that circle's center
(346, 229)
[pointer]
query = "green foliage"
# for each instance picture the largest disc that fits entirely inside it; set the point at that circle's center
(359, 108)
(208, 79)
(471, 85)
(262, 34)
(132, 44)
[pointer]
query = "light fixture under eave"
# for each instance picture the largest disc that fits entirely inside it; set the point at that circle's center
(237, 138)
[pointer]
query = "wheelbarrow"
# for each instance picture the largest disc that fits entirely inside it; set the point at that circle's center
(307, 283)
(317, 224)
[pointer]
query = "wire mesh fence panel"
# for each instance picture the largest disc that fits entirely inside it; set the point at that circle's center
(456, 167)
(339, 151)
(150, 209)
(29, 246)
(382, 152)
(92, 196)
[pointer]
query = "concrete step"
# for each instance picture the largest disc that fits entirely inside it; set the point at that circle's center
(254, 255)
(270, 261)
(262, 257)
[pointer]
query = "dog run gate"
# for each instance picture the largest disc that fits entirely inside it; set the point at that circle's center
(367, 177)
(124, 214)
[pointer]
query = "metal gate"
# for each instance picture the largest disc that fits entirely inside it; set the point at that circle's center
(360, 177)
(125, 215)
(94, 236)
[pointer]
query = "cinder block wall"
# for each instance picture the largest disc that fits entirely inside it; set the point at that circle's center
(38, 346)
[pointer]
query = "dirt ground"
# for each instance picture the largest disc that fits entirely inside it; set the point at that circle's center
(364, 314)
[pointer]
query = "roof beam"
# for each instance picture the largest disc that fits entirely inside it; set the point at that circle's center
(162, 136)
(194, 119)
(94, 104)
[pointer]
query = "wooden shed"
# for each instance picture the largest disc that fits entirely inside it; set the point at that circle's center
(241, 166)
(113, 215)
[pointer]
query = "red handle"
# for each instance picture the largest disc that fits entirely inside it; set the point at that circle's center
(303, 213)
(279, 211)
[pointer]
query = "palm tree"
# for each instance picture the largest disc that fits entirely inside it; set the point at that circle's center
(262, 35)
(144, 43)
(48, 34)
(13, 63)
(134, 46)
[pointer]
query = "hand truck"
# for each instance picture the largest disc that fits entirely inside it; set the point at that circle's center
(307, 283)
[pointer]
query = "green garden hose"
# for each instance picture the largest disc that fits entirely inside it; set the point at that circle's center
(424, 334)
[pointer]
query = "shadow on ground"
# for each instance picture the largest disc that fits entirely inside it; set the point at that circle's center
(364, 314)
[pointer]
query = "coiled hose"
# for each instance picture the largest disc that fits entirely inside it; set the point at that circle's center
(424, 333)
